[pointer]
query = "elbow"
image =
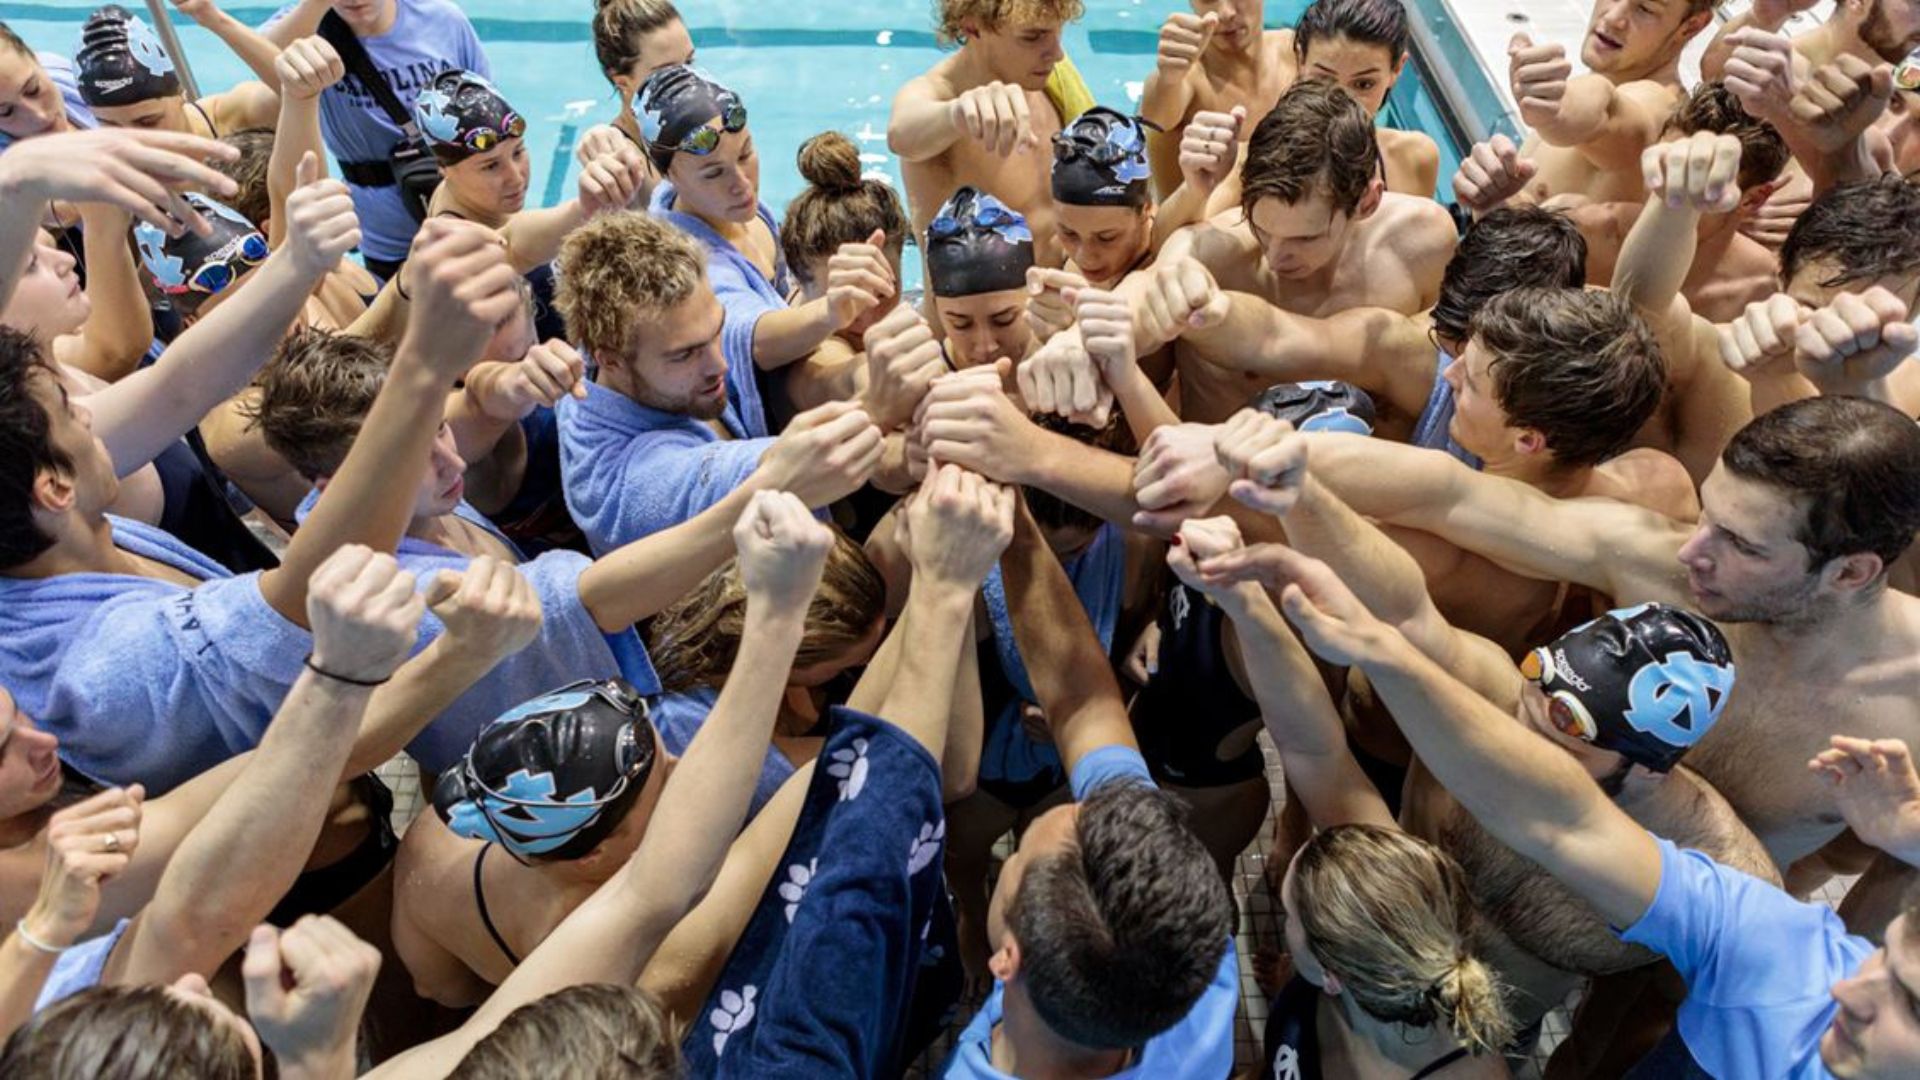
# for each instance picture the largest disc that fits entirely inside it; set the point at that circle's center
(959, 779)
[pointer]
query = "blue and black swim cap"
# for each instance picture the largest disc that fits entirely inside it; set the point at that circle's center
(554, 777)
(677, 106)
(1322, 405)
(462, 114)
(121, 60)
(1646, 682)
(977, 244)
(1101, 160)
(190, 268)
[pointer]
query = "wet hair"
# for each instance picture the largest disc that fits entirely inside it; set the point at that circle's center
(249, 171)
(951, 16)
(313, 396)
(1317, 136)
(26, 447)
(599, 1030)
(694, 642)
(1853, 464)
(1121, 932)
(839, 206)
(1391, 916)
(618, 26)
(619, 269)
(1712, 107)
(1369, 22)
(125, 1033)
(1510, 248)
(1869, 229)
(1049, 510)
(1577, 365)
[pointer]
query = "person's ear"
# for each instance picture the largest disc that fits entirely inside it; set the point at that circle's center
(1399, 66)
(1694, 23)
(1331, 986)
(1752, 199)
(1370, 202)
(1851, 573)
(1005, 961)
(627, 86)
(1530, 441)
(54, 491)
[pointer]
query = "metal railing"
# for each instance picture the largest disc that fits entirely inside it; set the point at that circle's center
(163, 25)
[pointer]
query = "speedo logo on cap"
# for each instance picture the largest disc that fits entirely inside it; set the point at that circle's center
(1564, 672)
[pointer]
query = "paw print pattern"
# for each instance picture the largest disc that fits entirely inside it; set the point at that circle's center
(849, 766)
(926, 846)
(733, 1016)
(792, 890)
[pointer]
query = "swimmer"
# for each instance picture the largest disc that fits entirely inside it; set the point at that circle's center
(39, 92)
(632, 39)
(128, 79)
(985, 117)
(1361, 46)
(978, 252)
(1876, 31)
(1218, 58)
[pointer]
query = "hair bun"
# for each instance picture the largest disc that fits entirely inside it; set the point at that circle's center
(831, 162)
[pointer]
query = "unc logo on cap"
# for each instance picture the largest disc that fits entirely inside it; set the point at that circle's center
(1678, 699)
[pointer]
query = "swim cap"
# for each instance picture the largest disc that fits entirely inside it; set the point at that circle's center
(190, 263)
(1319, 406)
(1646, 682)
(462, 114)
(977, 244)
(553, 777)
(675, 106)
(1101, 160)
(121, 60)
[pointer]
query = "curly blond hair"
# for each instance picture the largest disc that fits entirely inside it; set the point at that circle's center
(619, 269)
(950, 16)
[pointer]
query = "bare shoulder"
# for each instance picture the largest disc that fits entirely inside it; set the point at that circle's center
(250, 104)
(1221, 244)
(429, 854)
(1419, 232)
(935, 84)
(1657, 98)
(1650, 478)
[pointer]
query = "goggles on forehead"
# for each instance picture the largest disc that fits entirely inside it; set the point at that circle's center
(988, 217)
(225, 266)
(481, 140)
(1067, 146)
(705, 139)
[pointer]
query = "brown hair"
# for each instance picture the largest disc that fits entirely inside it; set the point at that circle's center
(951, 16)
(693, 643)
(1579, 366)
(13, 41)
(621, 268)
(597, 1031)
(1712, 107)
(618, 26)
(311, 398)
(1390, 915)
(838, 207)
(125, 1033)
(1317, 135)
(249, 171)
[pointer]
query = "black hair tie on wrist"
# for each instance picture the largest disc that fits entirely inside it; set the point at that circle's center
(325, 674)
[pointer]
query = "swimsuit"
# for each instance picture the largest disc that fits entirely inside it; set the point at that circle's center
(1293, 1037)
(1192, 702)
(486, 917)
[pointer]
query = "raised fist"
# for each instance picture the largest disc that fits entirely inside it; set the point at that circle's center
(1490, 174)
(307, 67)
(1538, 76)
(1184, 37)
(996, 116)
(1699, 173)
(782, 550)
(1265, 458)
(1210, 147)
(365, 614)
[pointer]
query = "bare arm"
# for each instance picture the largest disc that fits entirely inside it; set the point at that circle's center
(253, 48)
(921, 127)
(119, 329)
(302, 21)
(304, 71)
(644, 577)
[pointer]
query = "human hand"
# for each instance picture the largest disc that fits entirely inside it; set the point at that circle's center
(782, 550)
(307, 986)
(903, 359)
(1538, 76)
(364, 613)
(1760, 73)
(1062, 377)
(970, 422)
(142, 172)
(1178, 476)
(321, 223)
(1184, 38)
(1266, 459)
(1181, 296)
(88, 844)
(1331, 620)
(489, 609)
(1048, 311)
(1143, 660)
(612, 180)
(956, 526)
(1700, 173)
(1770, 224)
(1210, 147)
(1841, 100)
(859, 279)
(825, 455)
(1201, 539)
(598, 140)
(1491, 173)
(996, 116)
(1760, 342)
(1855, 340)
(550, 371)
(462, 289)
(307, 67)
(1876, 790)
(1106, 332)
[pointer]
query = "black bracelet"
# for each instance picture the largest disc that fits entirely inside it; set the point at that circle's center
(325, 674)
(400, 286)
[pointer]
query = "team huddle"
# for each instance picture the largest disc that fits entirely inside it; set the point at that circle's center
(742, 609)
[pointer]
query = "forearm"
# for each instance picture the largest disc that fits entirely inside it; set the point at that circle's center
(783, 335)
(643, 578)
(920, 701)
(252, 47)
(420, 690)
(966, 725)
(385, 320)
(1379, 571)
(1713, 62)
(18, 233)
(1186, 206)
(1097, 481)
(297, 135)
(119, 329)
(1656, 257)
(1164, 101)
(1141, 403)
(475, 430)
(23, 971)
(534, 236)
(921, 128)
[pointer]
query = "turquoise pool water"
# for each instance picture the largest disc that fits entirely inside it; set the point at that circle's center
(802, 67)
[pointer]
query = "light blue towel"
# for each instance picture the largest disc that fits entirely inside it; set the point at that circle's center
(743, 291)
(80, 967)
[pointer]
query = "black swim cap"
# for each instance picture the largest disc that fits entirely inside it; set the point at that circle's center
(1101, 160)
(121, 60)
(1319, 406)
(190, 265)
(977, 244)
(675, 106)
(555, 776)
(1646, 682)
(462, 114)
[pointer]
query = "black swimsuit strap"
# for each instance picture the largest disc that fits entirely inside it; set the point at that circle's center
(1441, 1063)
(480, 899)
(195, 106)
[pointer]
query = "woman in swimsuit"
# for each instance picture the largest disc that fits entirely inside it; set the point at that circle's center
(127, 78)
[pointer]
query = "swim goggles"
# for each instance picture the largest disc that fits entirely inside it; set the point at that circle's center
(1067, 145)
(992, 217)
(482, 139)
(704, 139)
(217, 273)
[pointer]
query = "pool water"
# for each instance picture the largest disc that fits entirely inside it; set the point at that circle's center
(802, 68)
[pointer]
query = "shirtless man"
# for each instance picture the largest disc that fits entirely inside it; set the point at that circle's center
(1588, 132)
(1578, 692)
(985, 117)
(1877, 31)
(1216, 59)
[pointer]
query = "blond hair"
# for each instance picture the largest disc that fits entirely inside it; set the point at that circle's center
(619, 269)
(1390, 915)
(951, 16)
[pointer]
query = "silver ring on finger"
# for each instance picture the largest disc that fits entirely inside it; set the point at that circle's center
(110, 843)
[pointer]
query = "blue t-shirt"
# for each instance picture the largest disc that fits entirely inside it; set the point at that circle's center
(1751, 1010)
(427, 38)
(60, 70)
(1199, 1047)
